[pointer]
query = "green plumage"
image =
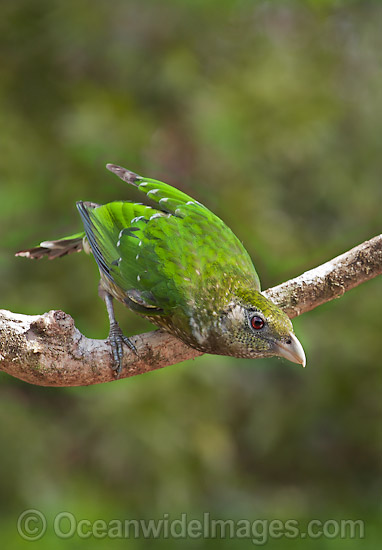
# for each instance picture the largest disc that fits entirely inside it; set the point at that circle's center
(179, 265)
(173, 256)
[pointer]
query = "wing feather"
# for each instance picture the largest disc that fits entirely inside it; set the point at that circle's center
(163, 258)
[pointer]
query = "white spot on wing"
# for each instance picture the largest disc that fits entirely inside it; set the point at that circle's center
(152, 192)
(45, 244)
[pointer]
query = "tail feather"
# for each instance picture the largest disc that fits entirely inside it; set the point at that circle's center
(85, 209)
(55, 249)
(126, 175)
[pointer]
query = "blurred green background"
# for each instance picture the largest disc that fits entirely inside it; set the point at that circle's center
(270, 113)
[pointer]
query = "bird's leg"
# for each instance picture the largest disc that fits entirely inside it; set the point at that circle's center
(116, 336)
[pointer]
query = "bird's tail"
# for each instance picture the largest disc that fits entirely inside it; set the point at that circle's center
(55, 249)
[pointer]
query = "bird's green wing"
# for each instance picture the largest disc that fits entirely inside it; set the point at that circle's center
(166, 257)
(203, 221)
(168, 198)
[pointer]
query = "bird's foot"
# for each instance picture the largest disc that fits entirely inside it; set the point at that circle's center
(117, 339)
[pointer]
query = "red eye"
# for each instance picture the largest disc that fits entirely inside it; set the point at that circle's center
(257, 322)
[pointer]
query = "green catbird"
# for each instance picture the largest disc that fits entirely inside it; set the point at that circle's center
(181, 267)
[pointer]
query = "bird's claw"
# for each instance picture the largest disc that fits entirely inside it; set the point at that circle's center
(117, 339)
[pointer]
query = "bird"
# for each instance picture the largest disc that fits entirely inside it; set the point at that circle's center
(180, 266)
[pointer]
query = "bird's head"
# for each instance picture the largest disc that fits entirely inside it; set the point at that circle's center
(253, 326)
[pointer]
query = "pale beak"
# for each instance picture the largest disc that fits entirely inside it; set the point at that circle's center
(291, 349)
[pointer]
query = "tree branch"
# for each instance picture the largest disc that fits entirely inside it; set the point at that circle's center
(48, 350)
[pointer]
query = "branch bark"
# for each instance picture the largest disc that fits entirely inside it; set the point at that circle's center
(49, 350)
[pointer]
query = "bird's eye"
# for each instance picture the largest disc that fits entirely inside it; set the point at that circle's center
(257, 322)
